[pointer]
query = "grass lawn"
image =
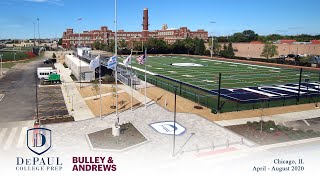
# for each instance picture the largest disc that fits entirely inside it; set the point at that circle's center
(11, 64)
(9, 56)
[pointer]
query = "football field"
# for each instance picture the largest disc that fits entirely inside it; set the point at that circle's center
(204, 73)
(240, 82)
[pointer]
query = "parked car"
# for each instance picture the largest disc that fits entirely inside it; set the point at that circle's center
(49, 61)
(314, 59)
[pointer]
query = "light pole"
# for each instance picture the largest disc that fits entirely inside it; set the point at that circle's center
(77, 51)
(34, 34)
(174, 121)
(1, 65)
(213, 22)
(38, 32)
(14, 56)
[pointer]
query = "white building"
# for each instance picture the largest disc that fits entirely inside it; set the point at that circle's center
(77, 66)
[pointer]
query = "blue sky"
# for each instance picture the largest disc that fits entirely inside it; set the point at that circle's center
(263, 16)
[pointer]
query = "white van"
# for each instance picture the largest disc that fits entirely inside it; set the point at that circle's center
(44, 72)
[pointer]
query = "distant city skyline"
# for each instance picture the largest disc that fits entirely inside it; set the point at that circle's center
(285, 17)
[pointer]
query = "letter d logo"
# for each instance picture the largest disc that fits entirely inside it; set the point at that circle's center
(39, 140)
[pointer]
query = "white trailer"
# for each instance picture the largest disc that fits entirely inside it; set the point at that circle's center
(44, 72)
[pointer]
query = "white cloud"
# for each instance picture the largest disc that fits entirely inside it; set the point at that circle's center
(56, 2)
(39, 1)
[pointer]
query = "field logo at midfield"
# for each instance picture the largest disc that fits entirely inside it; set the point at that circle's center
(167, 127)
(187, 64)
(39, 140)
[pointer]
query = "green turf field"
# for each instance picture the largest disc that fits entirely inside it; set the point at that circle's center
(10, 55)
(234, 75)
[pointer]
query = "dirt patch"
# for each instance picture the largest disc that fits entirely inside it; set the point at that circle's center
(271, 133)
(129, 136)
(88, 91)
(186, 106)
(124, 103)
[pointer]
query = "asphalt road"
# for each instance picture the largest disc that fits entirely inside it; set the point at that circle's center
(18, 85)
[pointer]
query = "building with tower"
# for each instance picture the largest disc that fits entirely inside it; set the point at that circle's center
(87, 38)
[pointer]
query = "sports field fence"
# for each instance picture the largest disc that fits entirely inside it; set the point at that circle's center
(210, 100)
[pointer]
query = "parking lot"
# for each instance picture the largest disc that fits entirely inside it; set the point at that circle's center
(18, 89)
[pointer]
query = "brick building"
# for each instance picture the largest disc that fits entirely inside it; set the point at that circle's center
(87, 38)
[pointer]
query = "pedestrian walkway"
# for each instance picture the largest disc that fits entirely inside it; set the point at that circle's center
(278, 118)
(13, 135)
(102, 95)
(75, 103)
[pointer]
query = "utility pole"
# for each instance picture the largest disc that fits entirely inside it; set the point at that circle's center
(213, 22)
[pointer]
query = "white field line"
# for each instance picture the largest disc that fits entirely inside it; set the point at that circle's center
(151, 73)
(242, 64)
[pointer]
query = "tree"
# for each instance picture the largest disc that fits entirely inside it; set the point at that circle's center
(227, 51)
(96, 45)
(60, 41)
(95, 88)
(122, 44)
(200, 47)
(250, 35)
(189, 45)
(269, 50)
(156, 46)
(137, 45)
(110, 45)
(178, 47)
(113, 92)
(238, 37)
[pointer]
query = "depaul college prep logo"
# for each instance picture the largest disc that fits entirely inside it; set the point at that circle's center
(39, 140)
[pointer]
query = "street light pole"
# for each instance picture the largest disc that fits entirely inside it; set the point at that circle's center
(34, 34)
(77, 51)
(38, 32)
(174, 121)
(213, 22)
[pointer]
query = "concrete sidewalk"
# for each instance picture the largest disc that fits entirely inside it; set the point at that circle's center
(278, 118)
(74, 101)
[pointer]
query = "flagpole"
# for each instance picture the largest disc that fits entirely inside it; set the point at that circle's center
(100, 86)
(131, 83)
(116, 54)
(145, 78)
